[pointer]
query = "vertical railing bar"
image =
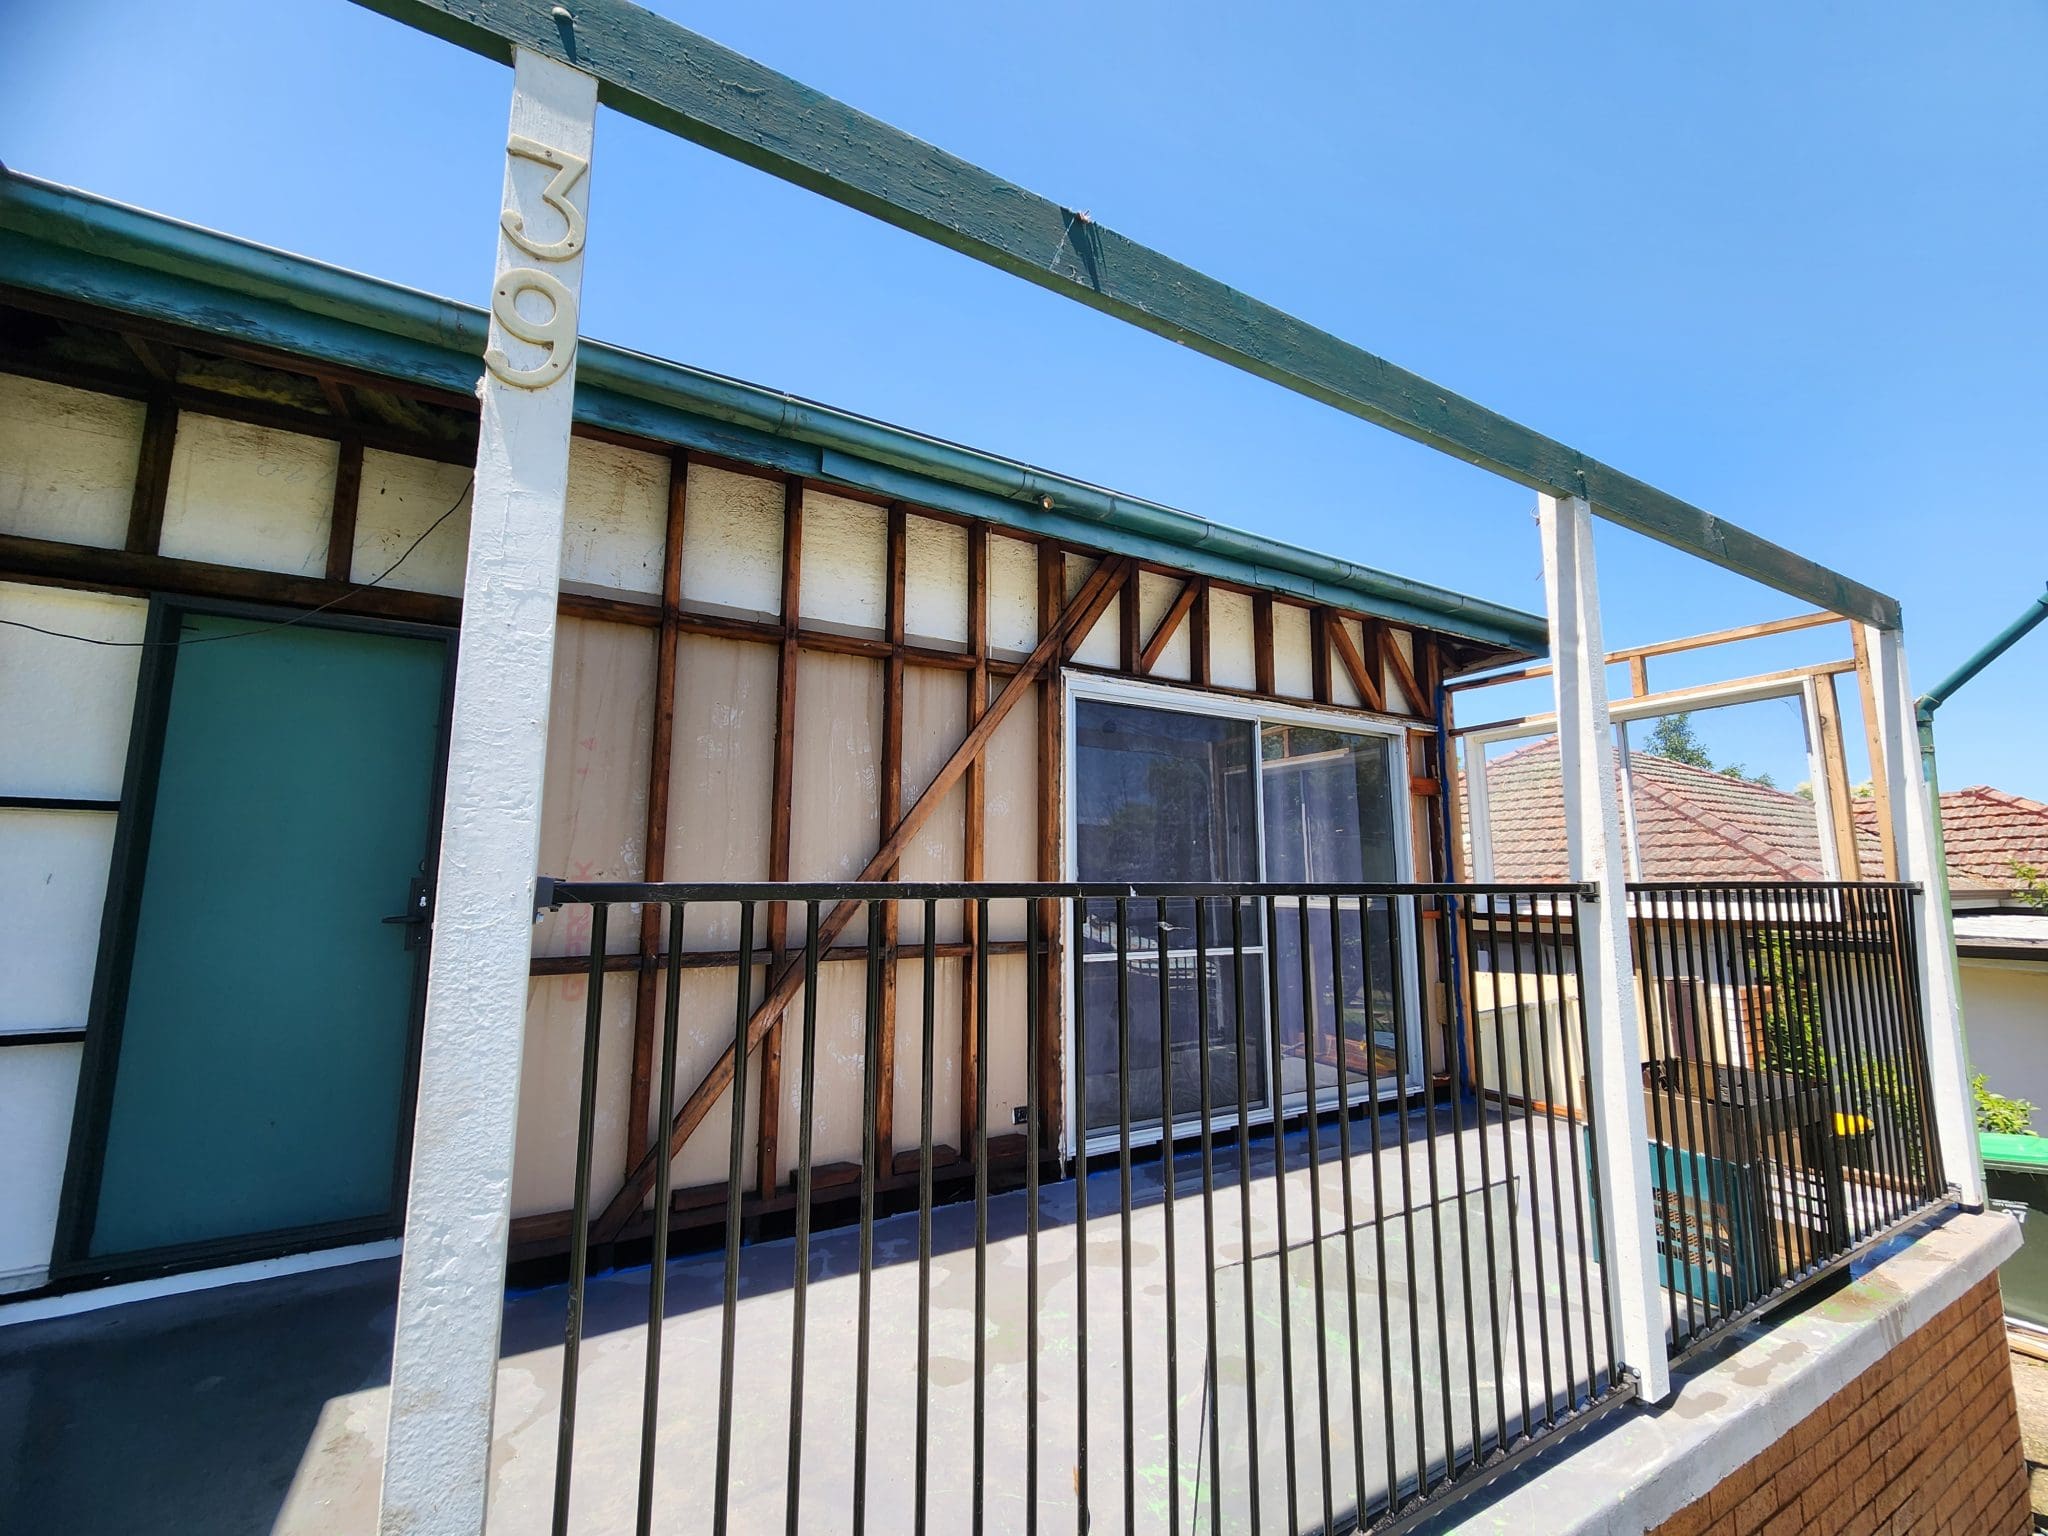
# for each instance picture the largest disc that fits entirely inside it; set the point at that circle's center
(1315, 1201)
(1662, 1029)
(1829, 1229)
(871, 1048)
(927, 1063)
(1866, 1004)
(980, 963)
(1571, 1107)
(1401, 1064)
(1535, 1178)
(657, 1269)
(1034, 1023)
(1764, 1095)
(1543, 1040)
(1850, 1049)
(1379, 1215)
(1897, 982)
(1792, 1106)
(1722, 934)
(1593, 1135)
(1723, 1117)
(1344, 1113)
(1906, 965)
(1458, 934)
(800, 1278)
(1123, 1073)
(1277, 1088)
(1167, 1201)
(1507, 1143)
(1244, 1197)
(1879, 1004)
(1436, 1204)
(1206, 1073)
(1493, 1318)
(1077, 954)
(579, 1217)
(736, 1148)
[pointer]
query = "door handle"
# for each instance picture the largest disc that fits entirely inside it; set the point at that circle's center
(417, 919)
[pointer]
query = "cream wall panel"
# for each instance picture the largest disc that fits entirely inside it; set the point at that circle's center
(1233, 657)
(249, 496)
(1293, 652)
(719, 778)
(1341, 689)
(550, 1078)
(617, 518)
(37, 1087)
(1010, 812)
(845, 563)
(65, 706)
(841, 1064)
(935, 581)
(1398, 702)
(1012, 595)
(400, 498)
(706, 1023)
(55, 865)
(593, 823)
(948, 978)
(1102, 646)
(1006, 1039)
(1156, 594)
(934, 724)
(67, 462)
(732, 542)
(2007, 1006)
(836, 809)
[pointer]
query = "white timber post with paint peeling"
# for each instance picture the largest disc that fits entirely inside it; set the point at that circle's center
(1941, 1008)
(451, 1284)
(1593, 827)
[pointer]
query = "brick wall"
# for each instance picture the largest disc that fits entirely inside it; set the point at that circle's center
(1924, 1443)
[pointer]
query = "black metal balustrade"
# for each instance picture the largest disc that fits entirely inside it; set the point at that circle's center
(1327, 1255)
(1785, 1085)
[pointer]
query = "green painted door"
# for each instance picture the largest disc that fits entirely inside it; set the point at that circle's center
(260, 1061)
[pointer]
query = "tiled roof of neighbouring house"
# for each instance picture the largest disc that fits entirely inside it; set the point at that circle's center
(1691, 823)
(1985, 831)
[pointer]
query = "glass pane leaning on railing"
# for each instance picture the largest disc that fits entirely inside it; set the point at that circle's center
(961, 1272)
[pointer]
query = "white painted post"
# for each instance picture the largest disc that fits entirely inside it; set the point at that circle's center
(1941, 1007)
(1833, 859)
(1592, 811)
(451, 1286)
(1478, 811)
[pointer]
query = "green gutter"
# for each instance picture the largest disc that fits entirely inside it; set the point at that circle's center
(61, 241)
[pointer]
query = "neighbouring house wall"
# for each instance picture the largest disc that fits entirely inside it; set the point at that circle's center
(1926, 1441)
(893, 639)
(2005, 1020)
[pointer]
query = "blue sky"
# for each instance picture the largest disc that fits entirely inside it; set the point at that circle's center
(1785, 262)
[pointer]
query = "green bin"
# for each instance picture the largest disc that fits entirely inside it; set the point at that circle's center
(2016, 1170)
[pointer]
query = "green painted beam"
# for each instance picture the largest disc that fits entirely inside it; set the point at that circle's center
(665, 75)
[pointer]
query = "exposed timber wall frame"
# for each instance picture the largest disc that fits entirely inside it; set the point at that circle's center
(445, 1348)
(679, 81)
(1593, 832)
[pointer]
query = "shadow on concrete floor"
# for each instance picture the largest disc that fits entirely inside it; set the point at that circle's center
(211, 1413)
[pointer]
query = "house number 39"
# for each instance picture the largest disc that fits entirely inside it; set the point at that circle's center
(557, 332)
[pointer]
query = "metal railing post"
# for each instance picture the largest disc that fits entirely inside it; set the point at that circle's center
(444, 1361)
(1594, 836)
(1920, 860)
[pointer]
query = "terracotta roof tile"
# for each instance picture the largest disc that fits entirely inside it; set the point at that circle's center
(1985, 831)
(1691, 823)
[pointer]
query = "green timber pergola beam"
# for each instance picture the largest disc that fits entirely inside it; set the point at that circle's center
(668, 76)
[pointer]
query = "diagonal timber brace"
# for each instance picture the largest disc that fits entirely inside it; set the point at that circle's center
(1089, 604)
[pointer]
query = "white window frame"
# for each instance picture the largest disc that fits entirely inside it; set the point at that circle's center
(1077, 685)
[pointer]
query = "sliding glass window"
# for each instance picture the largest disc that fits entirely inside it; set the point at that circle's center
(1164, 794)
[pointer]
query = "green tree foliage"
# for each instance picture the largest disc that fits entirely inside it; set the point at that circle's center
(1673, 736)
(1996, 1112)
(2032, 888)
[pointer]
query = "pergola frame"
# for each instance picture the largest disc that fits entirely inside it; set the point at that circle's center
(567, 61)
